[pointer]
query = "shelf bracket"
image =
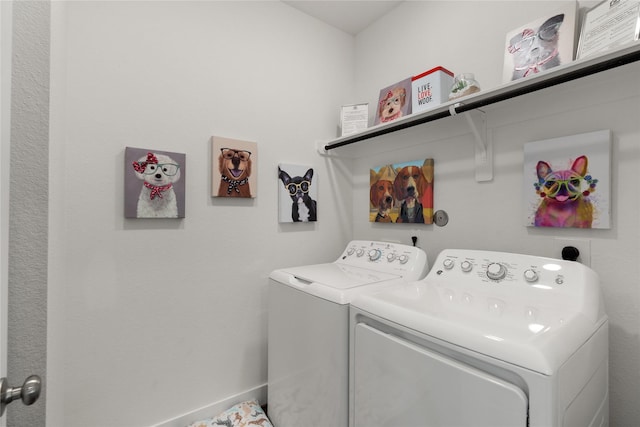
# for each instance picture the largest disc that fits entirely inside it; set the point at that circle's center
(476, 119)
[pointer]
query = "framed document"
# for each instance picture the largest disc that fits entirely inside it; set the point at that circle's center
(354, 118)
(610, 24)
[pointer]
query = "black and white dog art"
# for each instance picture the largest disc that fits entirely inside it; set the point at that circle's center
(303, 207)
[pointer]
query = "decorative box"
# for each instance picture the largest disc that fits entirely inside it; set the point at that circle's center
(430, 88)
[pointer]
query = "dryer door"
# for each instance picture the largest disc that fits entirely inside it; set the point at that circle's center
(398, 383)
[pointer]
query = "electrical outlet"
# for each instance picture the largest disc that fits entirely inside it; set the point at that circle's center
(583, 246)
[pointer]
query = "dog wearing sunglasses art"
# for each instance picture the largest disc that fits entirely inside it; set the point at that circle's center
(536, 51)
(235, 169)
(303, 207)
(158, 173)
(565, 195)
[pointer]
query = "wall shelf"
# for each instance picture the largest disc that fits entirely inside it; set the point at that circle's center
(465, 105)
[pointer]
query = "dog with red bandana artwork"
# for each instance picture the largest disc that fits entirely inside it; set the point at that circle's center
(391, 105)
(158, 173)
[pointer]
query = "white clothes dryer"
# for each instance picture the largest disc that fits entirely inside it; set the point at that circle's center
(308, 328)
(487, 339)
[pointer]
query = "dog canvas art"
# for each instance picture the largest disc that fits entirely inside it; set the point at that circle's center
(297, 192)
(402, 193)
(540, 45)
(564, 202)
(152, 181)
(233, 168)
(571, 190)
(394, 102)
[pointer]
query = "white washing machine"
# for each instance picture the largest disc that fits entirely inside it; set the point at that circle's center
(308, 329)
(486, 339)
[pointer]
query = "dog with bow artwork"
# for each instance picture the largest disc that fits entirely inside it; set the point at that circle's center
(157, 198)
(564, 195)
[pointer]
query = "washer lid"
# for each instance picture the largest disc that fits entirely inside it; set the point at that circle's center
(336, 282)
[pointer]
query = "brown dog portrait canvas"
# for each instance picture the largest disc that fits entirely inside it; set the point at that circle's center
(234, 166)
(402, 192)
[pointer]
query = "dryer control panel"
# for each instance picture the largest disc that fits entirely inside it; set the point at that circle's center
(410, 262)
(502, 280)
(503, 268)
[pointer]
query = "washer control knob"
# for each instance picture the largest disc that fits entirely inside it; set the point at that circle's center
(375, 254)
(448, 263)
(350, 251)
(360, 252)
(496, 271)
(403, 259)
(530, 275)
(466, 266)
(391, 257)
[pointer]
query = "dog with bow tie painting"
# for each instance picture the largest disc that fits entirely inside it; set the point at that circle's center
(233, 166)
(159, 172)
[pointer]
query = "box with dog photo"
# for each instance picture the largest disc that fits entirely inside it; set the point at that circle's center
(541, 44)
(394, 102)
(297, 194)
(402, 192)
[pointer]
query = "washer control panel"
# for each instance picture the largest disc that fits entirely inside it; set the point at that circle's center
(409, 262)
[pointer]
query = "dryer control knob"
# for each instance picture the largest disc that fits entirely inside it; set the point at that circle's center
(530, 275)
(360, 252)
(375, 254)
(403, 259)
(496, 271)
(466, 266)
(391, 257)
(448, 263)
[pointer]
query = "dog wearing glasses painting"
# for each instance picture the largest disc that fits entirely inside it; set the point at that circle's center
(235, 169)
(534, 51)
(303, 207)
(565, 195)
(158, 173)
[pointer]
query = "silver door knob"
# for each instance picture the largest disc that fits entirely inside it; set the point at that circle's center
(29, 392)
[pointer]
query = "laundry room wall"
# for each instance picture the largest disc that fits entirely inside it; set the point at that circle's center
(468, 37)
(152, 319)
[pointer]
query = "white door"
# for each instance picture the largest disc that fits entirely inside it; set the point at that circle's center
(30, 390)
(5, 107)
(399, 383)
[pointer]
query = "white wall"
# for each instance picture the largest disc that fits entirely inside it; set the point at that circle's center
(490, 215)
(130, 345)
(150, 319)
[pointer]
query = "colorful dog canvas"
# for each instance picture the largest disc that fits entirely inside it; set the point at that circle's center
(394, 102)
(297, 195)
(567, 181)
(540, 45)
(234, 165)
(402, 192)
(154, 183)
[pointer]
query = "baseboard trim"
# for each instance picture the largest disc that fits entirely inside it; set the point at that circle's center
(215, 408)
